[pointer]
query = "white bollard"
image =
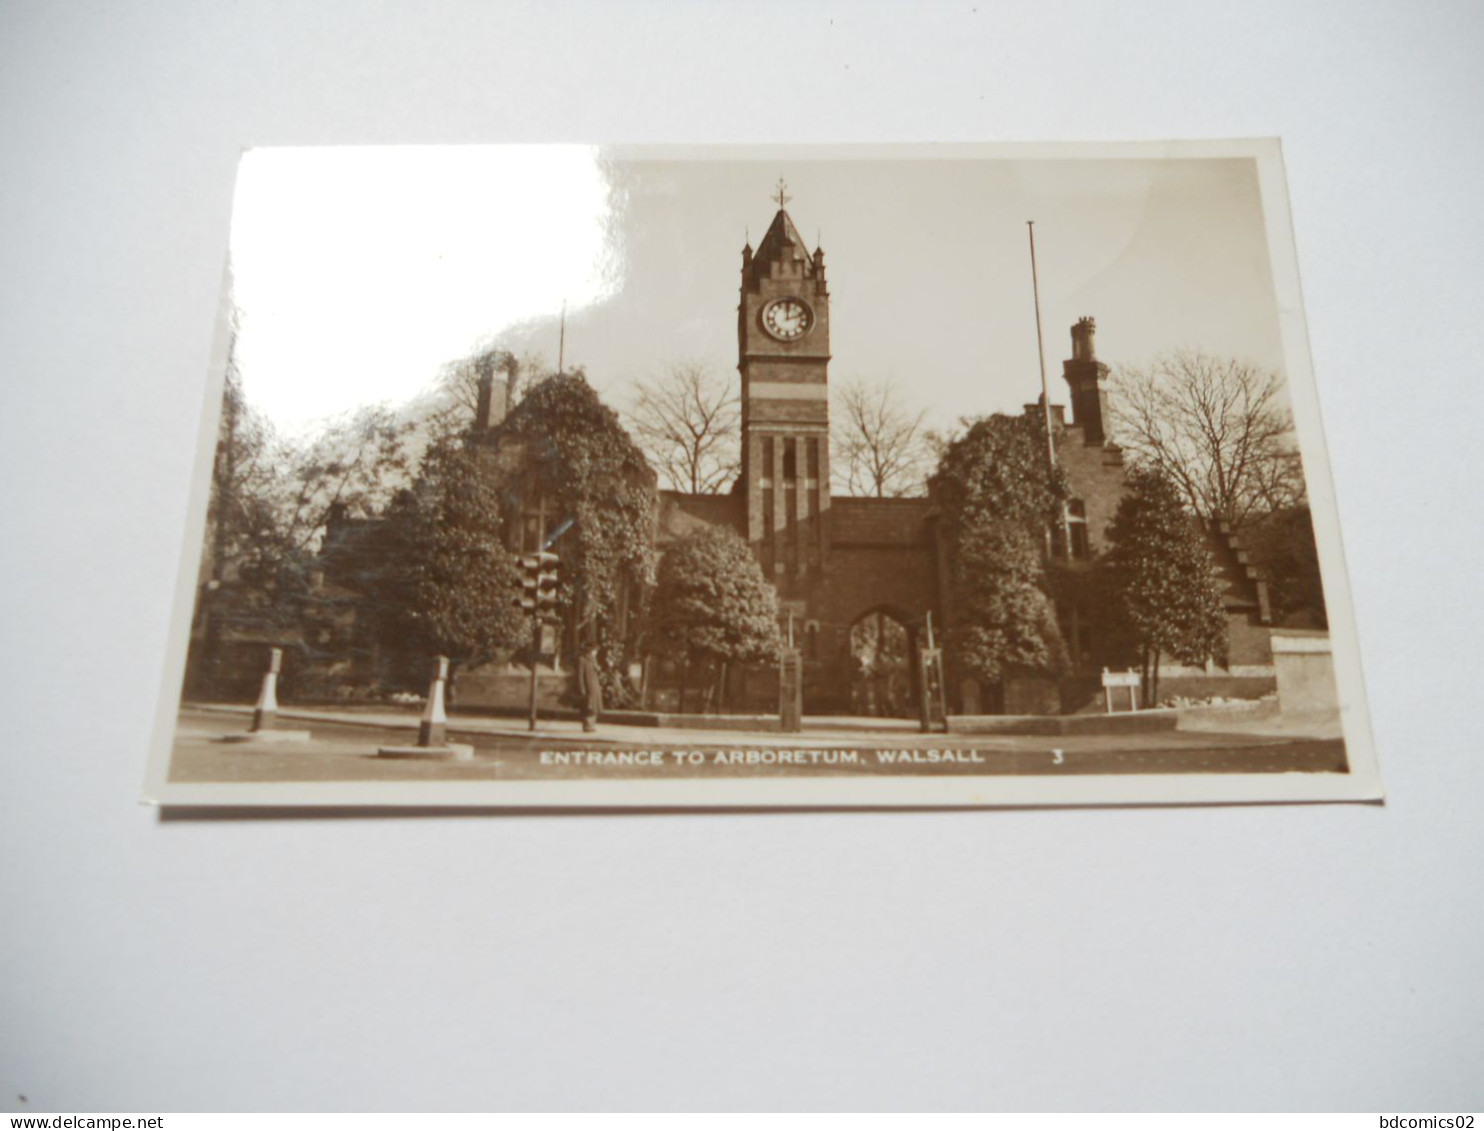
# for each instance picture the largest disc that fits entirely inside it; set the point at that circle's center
(265, 714)
(433, 728)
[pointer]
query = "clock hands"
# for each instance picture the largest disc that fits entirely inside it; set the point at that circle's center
(787, 318)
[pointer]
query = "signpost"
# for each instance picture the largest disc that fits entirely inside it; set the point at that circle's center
(933, 703)
(1128, 679)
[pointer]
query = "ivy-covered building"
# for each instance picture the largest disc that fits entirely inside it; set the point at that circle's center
(860, 580)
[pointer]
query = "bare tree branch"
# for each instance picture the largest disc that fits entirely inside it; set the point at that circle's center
(880, 448)
(688, 422)
(1217, 427)
(456, 398)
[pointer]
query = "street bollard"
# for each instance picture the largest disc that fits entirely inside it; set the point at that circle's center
(265, 714)
(265, 731)
(433, 729)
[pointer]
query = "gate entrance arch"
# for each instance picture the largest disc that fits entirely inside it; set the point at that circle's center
(883, 668)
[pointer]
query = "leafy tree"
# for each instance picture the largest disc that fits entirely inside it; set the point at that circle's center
(1161, 577)
(563, 444)
(689, 423)
(242, 515)
(880, 447)
(996, 499)
(449, 580)
(1283, 549)
(712, 606)
(998, 466)
(271, 499)
(1217, 428)
(1004, 622)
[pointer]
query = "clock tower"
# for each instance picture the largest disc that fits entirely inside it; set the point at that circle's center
(783, 348)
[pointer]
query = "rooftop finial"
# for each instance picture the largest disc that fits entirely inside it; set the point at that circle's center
(783, 197)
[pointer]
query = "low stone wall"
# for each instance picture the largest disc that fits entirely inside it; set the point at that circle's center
(1122, 722)
(504, 688)
(691, 722)
(1085, 696)
(1216, 686)
(1306, 671)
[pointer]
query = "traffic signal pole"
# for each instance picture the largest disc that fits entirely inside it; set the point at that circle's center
(538, 586)
(535, 663)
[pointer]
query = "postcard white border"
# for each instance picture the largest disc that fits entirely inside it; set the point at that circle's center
(1361, 783)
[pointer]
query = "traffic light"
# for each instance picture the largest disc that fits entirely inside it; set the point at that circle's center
(538, 583)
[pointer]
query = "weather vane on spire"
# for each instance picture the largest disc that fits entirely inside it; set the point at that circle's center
(783, 197)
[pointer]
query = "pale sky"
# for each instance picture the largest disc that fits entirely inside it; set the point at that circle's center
(360, 272)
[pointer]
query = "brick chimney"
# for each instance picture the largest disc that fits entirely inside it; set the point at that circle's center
(491, 406)
(1087, 376)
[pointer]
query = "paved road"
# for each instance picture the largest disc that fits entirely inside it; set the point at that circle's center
(339, 751)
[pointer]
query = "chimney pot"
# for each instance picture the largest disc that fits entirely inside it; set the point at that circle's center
(1083, 348)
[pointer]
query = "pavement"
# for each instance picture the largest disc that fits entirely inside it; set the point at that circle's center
(343, 743)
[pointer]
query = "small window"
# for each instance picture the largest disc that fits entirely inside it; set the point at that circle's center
(790, 458)
(1077, 528)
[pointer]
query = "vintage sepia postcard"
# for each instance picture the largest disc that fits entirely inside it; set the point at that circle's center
(766, 476)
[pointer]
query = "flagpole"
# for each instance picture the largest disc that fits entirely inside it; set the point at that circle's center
(1030, 226)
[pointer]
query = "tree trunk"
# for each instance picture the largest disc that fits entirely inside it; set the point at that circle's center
(684, 679)
(721, 689)
(1154, 683)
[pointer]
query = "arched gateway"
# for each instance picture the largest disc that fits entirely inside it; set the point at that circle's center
(883, 666)
(832, 559)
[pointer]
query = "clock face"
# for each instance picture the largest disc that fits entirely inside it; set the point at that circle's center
(787, 318)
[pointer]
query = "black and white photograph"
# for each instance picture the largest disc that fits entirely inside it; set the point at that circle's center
(961, 475)
(787, 556)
